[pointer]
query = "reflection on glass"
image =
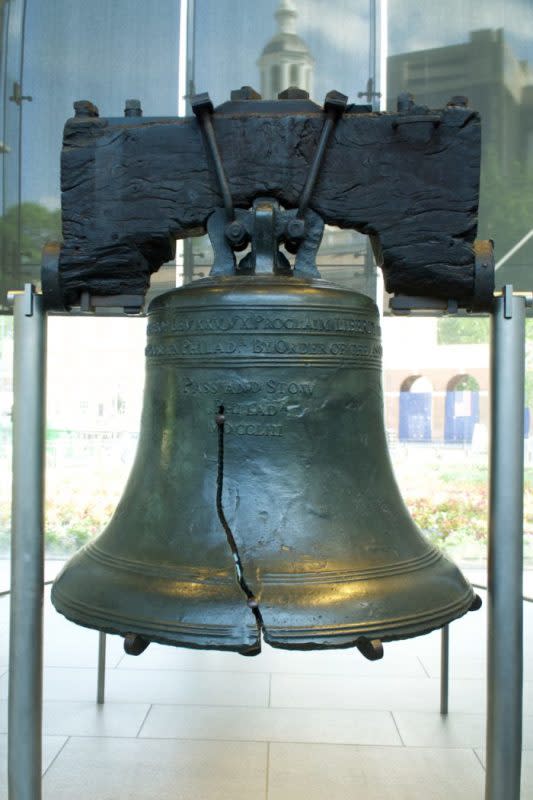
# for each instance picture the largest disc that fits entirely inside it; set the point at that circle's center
(286, 59)
(436, 377)
(99, 51)
(484, 52)
(105, 52)
(13, 99)
(437, 382)
(312, 44)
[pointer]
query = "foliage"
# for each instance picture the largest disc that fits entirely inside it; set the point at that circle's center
(453, 520)
(466, 383)
(448, 500)
(463, 330)
(79, 504)
(506, 208)
(35, 224)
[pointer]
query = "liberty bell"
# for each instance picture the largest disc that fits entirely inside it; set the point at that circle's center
(262, 502)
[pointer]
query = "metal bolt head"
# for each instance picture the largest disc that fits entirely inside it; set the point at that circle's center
(132, 108)
(293, 93)
(201, 104)
(236, 234)
(84, 108)
(335, 102)
(296, 229)
(405, 101)
(245, 93)
(458, 100)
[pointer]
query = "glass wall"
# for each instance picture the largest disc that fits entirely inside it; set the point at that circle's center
(313, 44)
(56, 53)
(436, 377)
(52, 55)
(483, 51)
(437, 384)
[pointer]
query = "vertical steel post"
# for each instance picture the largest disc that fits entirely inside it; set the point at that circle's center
(444, 669)
(27, 565)
(100, 691)
(504, 675)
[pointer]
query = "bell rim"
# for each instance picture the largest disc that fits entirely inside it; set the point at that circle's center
(230, 637)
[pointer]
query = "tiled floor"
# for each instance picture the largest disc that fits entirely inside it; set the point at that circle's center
(192, 725)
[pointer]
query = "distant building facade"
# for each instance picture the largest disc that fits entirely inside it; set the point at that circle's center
(485, 69)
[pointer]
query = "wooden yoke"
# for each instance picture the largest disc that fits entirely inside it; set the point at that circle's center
(410, 180)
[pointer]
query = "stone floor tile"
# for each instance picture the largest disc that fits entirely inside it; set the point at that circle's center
(426, 729)
(315, 772)
(51, 747)
(65, 718)
(270, 724)
(388, 694)
(527, 771)
(155, 686)
(69, 645)
(130, 769)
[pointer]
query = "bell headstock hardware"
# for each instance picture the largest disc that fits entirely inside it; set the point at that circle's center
(267, 173)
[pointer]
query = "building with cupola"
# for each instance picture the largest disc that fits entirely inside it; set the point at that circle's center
(286, 59)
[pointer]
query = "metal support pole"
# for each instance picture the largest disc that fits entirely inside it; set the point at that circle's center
(100, 691)
(444, 669)
(504, 676)
(27, 543)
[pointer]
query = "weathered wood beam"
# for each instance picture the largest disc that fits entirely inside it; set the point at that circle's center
(132, 186)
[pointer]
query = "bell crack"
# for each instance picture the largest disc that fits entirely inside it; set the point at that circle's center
(239, 568)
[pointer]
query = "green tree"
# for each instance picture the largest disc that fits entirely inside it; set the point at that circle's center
(463, 330)
(26, 228)
(506, 215)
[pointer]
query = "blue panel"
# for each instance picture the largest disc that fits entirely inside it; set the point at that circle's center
(461, 415)
(415, 417)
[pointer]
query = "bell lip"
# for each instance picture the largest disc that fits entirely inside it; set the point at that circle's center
(261, 281)
(395, 633)
(253, 647)
(231, 640)
(250, 646)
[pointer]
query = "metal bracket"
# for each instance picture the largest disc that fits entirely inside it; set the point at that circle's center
(434, 119)
(265, 255)
(403, 305)
(266, 225)
(203, 110)
(28, 293)
(483, 294)
(130, 303)
(334, 106)
(507, 293)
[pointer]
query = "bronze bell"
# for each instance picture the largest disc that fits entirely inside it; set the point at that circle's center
(262, 501)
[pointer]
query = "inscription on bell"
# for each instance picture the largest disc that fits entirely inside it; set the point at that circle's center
(260, 347)
(302, 321)
(285, 346)
(225, 387)
(249, 429)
